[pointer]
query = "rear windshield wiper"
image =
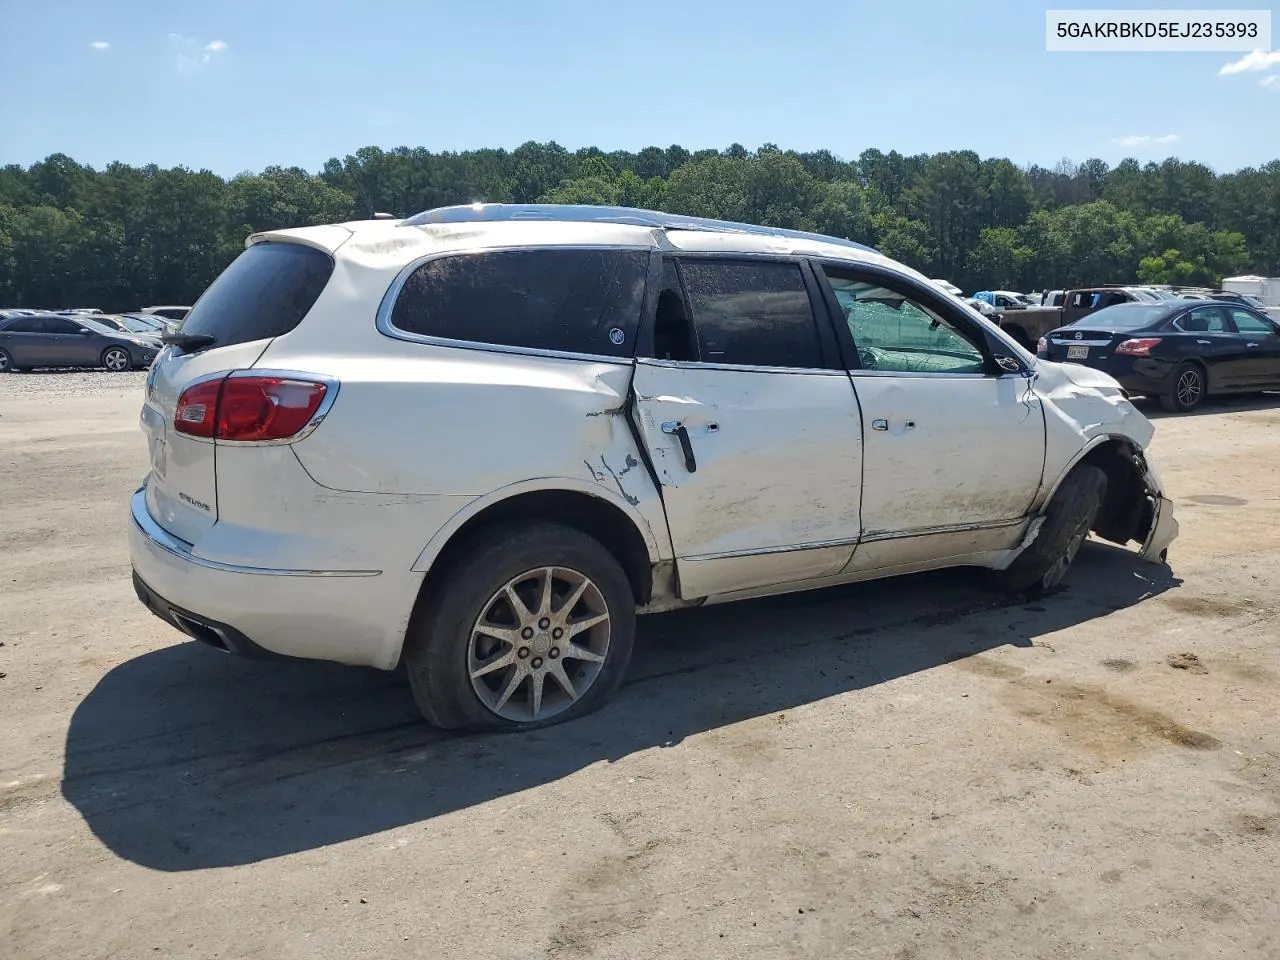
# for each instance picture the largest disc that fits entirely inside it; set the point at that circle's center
(189, 342)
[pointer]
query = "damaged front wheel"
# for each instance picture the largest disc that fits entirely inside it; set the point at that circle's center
(1043, 565)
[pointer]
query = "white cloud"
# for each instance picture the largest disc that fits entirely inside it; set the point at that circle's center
(1141, 140)
(1272, 81)
(1254, 60)
(191, 55)
(100, 45)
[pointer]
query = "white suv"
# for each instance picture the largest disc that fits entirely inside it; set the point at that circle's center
(480, 440)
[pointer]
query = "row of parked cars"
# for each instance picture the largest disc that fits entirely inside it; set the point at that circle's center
(84, 337)
(1178, 346)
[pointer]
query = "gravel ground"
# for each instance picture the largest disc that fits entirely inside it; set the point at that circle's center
(61, 383)
(908, 769)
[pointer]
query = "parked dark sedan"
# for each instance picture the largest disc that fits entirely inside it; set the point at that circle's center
(49, 340)
(1179, 351)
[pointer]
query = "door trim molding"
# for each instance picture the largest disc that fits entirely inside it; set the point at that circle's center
(882, 535)
(788, 548)
(874, 537)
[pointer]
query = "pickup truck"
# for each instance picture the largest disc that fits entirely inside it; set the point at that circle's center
(1029, 324)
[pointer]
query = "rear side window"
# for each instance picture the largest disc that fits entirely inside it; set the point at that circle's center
(28, 325)
(752, 313)
(265, 293)
(571, 300)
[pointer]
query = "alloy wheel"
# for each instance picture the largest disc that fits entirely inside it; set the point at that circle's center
(115, 360)
(539, 644)
(1189, 389)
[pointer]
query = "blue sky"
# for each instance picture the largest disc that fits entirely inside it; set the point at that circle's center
(236, 85)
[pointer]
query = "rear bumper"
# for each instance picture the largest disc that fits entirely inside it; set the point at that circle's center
(356, 617)
(1139, 375)
(221, 636)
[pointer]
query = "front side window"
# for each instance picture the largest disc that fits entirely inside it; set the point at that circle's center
(58, 325)
(1247, 323)
(894, 332)
(570, 300)
(753, 313)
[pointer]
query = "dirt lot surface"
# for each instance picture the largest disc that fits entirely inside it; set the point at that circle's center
(906, 770)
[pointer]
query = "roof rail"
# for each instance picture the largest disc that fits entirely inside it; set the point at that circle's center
(584, 213)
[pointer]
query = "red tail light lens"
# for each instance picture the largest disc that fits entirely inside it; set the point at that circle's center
(248, 408)
(197, 412)
(1138, 347)
(1042, 347)
(266, 408)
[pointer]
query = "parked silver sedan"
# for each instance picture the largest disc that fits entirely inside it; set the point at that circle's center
(50, 340)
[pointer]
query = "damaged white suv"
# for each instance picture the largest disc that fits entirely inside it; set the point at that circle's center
(480, 440)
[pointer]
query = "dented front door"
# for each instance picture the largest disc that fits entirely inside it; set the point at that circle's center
(760, 471)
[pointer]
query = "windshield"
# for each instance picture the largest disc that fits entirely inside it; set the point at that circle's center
(137, 326)
(1123, 316)
(97, 325)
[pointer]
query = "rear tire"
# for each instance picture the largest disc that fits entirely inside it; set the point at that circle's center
(1187, 389)
(6, 362)
(1043, 565)
(536, 669)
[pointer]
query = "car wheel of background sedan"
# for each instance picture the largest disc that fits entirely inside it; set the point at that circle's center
(1043, 565)
(1186, 391)
(527, 626)
(6, 362)
(116, 359)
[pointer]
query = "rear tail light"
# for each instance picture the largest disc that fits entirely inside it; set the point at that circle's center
(1042, 347)
(1138, 347)
(249, 408)
(198, 409)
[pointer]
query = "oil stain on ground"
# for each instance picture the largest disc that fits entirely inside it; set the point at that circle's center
(1107, 725)
(1206, 606)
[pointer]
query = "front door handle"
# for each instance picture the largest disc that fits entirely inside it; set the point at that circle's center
(879, 424)
(678, 430)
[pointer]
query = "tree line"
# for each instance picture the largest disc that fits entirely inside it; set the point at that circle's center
(125, 236)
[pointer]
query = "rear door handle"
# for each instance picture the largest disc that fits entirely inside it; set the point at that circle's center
(678, 430)
(882, 424)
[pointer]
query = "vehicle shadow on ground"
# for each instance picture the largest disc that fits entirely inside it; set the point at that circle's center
(185, 758)
(1218, 405)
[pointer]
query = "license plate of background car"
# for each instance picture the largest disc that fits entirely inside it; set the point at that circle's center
(1077, 353)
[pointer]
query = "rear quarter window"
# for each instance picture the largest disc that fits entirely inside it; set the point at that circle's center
(570, 300)
(265, 293)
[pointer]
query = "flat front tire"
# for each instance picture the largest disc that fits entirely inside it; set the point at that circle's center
(532, 624)
(1043, 565)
